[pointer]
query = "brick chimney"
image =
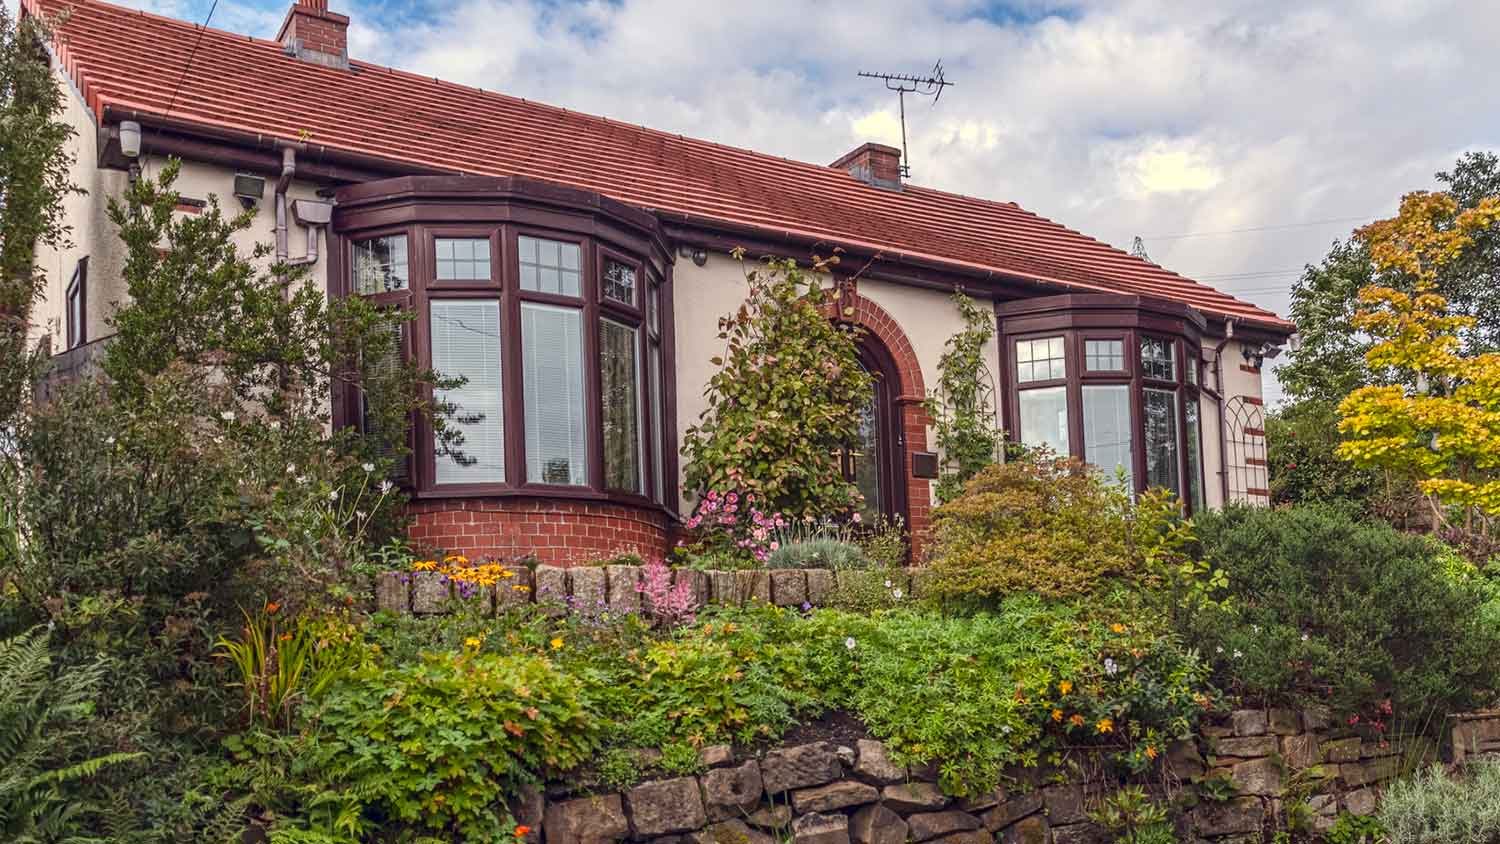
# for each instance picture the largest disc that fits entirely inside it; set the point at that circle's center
(314, 34)
(875, 164)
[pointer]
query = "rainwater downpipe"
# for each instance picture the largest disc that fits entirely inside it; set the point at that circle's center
(288, 169)
(1219, 385)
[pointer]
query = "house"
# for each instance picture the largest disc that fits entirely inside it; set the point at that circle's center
(573, 269)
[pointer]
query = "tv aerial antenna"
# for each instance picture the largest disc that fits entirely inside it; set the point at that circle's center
(931, 85)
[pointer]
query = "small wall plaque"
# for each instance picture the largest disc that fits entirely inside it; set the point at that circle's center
(924, 464)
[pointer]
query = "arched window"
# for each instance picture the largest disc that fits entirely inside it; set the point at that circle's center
(875, 465)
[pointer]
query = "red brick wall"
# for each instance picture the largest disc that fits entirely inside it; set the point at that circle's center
(557, 532)
(317, 28)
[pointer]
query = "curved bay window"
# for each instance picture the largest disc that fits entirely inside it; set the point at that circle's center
(1113, 380)
(549, 304)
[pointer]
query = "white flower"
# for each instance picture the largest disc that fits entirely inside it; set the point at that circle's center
(360, 514)
(291, 468)
(1110, 667)
(1304, 637)
(1219, 649)
(849, 643)
(1255, 628)
(275, 424)
(387, 486)
(227, 416)
(109, 440)
(333, 495)
(896, 594)
(887, 584)
(1238, 653)
(302, 480)
(368, 467)
(1005, 729)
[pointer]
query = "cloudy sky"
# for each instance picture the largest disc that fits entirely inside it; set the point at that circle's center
(1237, 137)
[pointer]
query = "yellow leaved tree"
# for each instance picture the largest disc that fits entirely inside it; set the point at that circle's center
(1437, 416)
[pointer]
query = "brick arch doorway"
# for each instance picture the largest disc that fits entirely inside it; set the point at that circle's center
(875, 465)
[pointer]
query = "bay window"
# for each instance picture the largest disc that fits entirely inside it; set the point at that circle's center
(555, 325)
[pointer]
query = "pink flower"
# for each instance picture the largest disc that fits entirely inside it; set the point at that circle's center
(857, 518)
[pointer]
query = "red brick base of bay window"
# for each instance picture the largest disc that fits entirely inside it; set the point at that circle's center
(555, 532)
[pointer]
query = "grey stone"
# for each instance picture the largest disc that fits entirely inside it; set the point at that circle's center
(816, 828)
(657, 808)
(835, 795)
(967, 836)
(727, 791)
(799, 767)
(874, 763)
(697, 582)
(1372, 749)
(846, 755)
(1258, 776)
(1064, 804)
(588, 587)
(715, 756)
(550, 588)
(1028, 830)
(514, 591)
(1080, 833)
(1342, 750)
(1315, 718)
(1355, 774)
(587, 819)
(429, 593)
(528, 805)
(1248, 747)
(1360, 802)
(1284, 722)
(928, 772)
(877, 825)
(620, 588)
(1216, 730)
(753, 585)
(723, 587)
(1012, 810)
(393, 592)
(1323, 804)
(928, 825)
(1184, 761)
(819, 586)
(1240, 815)
(733, 831)
(788, 587)
(979, 802)
(771, 817)
(914, 797)
(1248, 722)
(1301, 751)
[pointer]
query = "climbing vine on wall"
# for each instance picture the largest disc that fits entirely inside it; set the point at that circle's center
(963, 405)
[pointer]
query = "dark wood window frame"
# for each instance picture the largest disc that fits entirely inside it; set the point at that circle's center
(570, 216)
(1082, 317)
(76, 302)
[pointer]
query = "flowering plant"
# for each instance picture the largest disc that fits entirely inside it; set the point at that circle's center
(728, 524)
(671, 605)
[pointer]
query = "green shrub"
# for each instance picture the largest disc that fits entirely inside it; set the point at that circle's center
(817, 554)
(1333, 610)
(438, 743)
(1433, 808)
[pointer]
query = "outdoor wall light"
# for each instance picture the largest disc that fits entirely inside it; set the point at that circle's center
(130, 138)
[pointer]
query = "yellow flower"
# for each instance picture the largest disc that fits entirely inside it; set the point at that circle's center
(1105, 725)
(1065, 686)
(471, 642)
(1150, 751)
(424, 565)
(1057, 714)
(557, 644)
(1117, 628)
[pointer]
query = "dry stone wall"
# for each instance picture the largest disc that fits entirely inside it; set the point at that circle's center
(828, 793)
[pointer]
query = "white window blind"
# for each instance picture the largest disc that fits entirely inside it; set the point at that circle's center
(1107, 430)
(466, 343)
(1044, 419)
(552, 363)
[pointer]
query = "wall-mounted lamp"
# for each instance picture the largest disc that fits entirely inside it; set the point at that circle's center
(249, 188)
(695, 254)
(1256, 356)
(130, 139)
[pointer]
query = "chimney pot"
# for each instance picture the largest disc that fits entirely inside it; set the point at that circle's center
(874, 164)
(314, 34)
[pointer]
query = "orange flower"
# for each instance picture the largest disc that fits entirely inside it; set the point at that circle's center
(1117, 628)
(1105, 725)
(1057, 714)
(1065, 686)
(272, 607)
(286, 637)
(1076, 720)
(522, 830)
(1150, 751)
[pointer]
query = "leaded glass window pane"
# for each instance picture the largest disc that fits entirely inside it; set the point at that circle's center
(1158, 359)
(1160, 408)
(619, 282)
(380, 265)
(620, 383)
(1194, 456)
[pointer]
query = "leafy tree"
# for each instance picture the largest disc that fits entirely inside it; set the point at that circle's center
(963, 405)
(786, 401)
(34, 165)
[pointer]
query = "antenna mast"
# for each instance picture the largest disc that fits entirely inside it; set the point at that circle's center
(931, 85)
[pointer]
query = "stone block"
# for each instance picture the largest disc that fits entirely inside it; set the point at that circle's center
(587, 819)
(1245, 747)
(1372, 749)
(1301, 751)
(550, 588)
(1341, 750)
(697, 582)
(820, 586)
(1232, 817)
(1284, 722)
(833, 796)
(967, 836)
(1248, 722)
(732, 831)
(817, 828)
(723, 587)
(1360, 802)
(1315, 718)
(620, 588)
(1323, 804)
(1216, 730)
(788, 587)
(877, 825)
(873, 763)
(914, 797)
(1475, 733)
(528, 805)
(430, 592)
(1355, 774)
(1258, 776)
(393, 592)
(658, 808)
(976, 803)
(799, 767)
(715, 755)
(771, 817)
(1012, 810)
(589, 588)
(1184, 761)
(1080, 833)
(1064, 804)
(1029, 830)
(753, 585)
(728, 791)
(514, 591)
(925, 826)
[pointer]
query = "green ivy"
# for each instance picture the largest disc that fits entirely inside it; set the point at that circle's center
(963, 406)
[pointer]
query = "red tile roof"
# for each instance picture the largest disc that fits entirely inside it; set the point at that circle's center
(128, 60)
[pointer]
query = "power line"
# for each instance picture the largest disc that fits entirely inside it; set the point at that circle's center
(192, 53)
(1279, 227)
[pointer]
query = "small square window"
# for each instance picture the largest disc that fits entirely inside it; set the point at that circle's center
(550, 266)
(619, 282)
(380, 265)
(1040, 360)
(463, 258)
(1104, 355)
(1158, 359)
